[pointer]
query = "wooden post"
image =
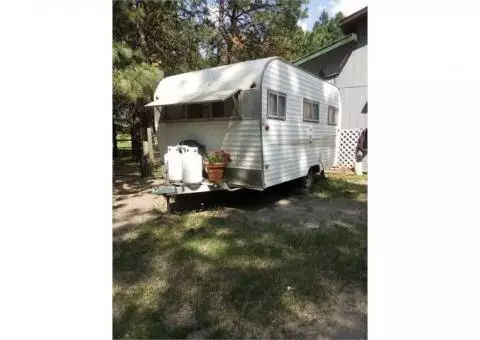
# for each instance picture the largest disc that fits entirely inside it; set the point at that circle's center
(150, 143)
(145, 164)
(145, 149)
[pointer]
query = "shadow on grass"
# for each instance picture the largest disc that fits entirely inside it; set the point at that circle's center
(245, 199)
(118, 206)
(223, 277)
(131, 186)
(251, 200)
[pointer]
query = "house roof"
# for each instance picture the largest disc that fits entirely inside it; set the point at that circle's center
(348, 23)
(211, 84)
(337, 43)
(348, 27)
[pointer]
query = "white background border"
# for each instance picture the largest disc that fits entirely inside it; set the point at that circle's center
(56, 170)
(55, 242)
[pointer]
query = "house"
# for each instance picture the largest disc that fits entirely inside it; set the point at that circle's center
(344, 64)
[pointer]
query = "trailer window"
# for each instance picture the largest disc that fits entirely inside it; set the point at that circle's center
(332, 115)
(223, 109)
(174, 112)
(206, 110)
(198, 111)
(217, 109)
(311, 110)
(228, 107)
(276, 104)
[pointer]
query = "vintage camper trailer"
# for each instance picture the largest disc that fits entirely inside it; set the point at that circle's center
(277, 121)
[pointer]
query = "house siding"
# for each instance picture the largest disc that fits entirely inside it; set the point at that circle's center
(353, 101)
(353, 85)
(351, 62)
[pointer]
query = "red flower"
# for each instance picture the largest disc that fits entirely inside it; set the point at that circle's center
(219, 156)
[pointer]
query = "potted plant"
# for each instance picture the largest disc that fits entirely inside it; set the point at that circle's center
(217, 161)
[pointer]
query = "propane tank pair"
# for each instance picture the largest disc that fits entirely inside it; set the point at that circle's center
(183, 164)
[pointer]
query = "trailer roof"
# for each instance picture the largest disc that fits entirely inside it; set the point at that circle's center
(212, 84)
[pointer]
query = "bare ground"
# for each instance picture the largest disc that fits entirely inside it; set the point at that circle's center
(133, 203)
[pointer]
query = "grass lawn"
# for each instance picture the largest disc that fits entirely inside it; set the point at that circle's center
(218, 274)
(124, 164)
(123, 141)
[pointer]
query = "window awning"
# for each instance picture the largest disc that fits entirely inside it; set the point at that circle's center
(194, 98)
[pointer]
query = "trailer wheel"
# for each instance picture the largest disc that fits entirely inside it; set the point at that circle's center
(171, 200)
(307, 182)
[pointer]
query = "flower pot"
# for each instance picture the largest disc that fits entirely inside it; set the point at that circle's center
(215, 172)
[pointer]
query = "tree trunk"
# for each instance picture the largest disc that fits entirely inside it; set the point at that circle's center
(136, 135)
(221, 50)
(231, 53)
(115, 147)
(146, 166)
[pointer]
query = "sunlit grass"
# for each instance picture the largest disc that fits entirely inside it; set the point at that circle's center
(342, 186)
(123, 141)
(213, 248)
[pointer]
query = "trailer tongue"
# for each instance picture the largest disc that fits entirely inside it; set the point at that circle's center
(180, 189)
(169, 191)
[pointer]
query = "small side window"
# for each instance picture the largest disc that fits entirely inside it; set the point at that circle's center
(276, 105)
(272, 104)
(311, 110)
(282, 106)
(307, 110)
(316, 112)
(332, 115)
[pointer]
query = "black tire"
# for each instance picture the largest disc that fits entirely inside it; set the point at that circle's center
(307, 181)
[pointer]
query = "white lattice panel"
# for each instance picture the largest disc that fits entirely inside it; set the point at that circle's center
(347, 144)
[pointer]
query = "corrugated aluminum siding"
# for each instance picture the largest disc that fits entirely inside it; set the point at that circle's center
(239, 137)
(287, 151)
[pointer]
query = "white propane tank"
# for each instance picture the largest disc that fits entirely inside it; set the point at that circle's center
(173, 164)
(192, 165)
(358, 168)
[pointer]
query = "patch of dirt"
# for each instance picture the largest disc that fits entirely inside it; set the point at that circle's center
(133, 202)
(310, 212)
